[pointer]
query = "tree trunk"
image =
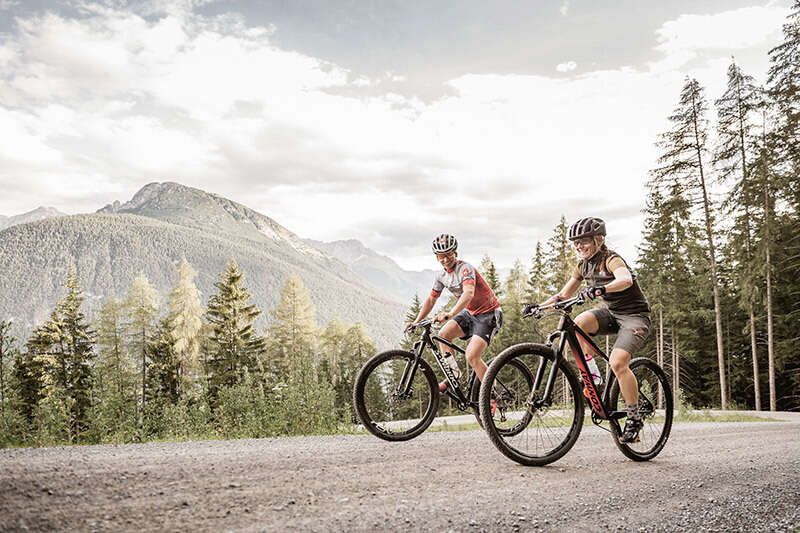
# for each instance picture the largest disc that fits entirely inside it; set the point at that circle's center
(773, 404)
(2, 368)
(660, 352)
(748, 243)
(756, 386)
(676, 373)
(144, 375)
(713, 263)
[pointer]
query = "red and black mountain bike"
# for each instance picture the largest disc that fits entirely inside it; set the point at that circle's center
(553, 411)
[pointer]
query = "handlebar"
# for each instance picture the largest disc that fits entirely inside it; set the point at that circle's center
(425, 324)
(536, 311)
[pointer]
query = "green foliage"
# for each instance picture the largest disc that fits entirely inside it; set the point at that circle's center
(141, 311)
(292, 334)
(489, 273)
(114, 414)
(344, 351)
(407, 343)
(560, 257)
(234, 346)
(185, 320)
(8, 351)
(537, 277)
(244, 410)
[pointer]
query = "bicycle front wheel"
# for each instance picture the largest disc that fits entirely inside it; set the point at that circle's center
(386, 408)
(537, 428)
(655, 406)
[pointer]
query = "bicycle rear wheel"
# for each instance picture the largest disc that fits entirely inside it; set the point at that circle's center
(536, 430)
(655, 405)
(511, 387)
(387, 412)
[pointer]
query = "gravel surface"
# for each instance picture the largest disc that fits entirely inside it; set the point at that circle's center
(711, 476)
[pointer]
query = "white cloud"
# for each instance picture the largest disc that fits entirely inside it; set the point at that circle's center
(687, 36)
(117, 100)
(567, 66)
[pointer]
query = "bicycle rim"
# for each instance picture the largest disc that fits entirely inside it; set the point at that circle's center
(655, 405)
(385, 410)
(534, 432)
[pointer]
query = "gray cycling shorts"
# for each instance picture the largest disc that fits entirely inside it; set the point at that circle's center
(631, 330)
(485, 325)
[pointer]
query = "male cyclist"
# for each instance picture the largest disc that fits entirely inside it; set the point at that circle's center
(625, 313)
(476, 314)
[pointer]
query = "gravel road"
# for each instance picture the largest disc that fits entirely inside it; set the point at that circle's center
(711, 476)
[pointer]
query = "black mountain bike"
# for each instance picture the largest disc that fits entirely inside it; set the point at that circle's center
(553, 410)
(396, 394)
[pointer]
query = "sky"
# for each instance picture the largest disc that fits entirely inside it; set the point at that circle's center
(388, 122)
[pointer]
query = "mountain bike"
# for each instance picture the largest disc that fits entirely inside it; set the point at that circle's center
(396, 394)
(553, 411)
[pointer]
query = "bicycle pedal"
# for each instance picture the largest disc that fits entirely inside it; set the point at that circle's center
(617, 415)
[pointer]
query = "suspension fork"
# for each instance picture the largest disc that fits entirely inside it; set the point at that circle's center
(410, 370)
(540, 371)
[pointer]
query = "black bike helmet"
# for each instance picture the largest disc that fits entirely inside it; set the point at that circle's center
(444, 243)
(586, 227)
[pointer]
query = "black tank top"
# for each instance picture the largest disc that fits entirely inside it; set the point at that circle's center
(627, 302)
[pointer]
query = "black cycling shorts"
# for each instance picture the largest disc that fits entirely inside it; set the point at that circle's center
(484, 325)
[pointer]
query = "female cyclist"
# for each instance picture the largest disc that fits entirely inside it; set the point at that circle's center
(626, 311)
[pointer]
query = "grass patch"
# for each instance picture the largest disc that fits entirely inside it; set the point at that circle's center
(708, 416)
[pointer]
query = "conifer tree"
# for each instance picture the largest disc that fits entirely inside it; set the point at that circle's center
(559, 257)
(408, 342)
(345, 350)
(332, 347)
(63, 346)
(734, 158)
(489, 273)
(537, 277)
(7, 349)
(783, 84)
(779, 173)
(115, 413)
(78, 341)
(29, 373)
(684, 160)
(12, 423)
(515, 293)
(234, 346)
(293, 329)
(308, 401)
(186, 321)
(164, 365)
(163, 378)
(141, 307)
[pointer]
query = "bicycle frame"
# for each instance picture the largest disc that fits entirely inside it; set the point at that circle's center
(427, 339)
(567, 332)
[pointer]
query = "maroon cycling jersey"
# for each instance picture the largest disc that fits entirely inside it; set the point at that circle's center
(484, 299)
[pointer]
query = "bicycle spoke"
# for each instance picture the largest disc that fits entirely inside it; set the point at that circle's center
(652, 383)
(388, 405)
(542, 431)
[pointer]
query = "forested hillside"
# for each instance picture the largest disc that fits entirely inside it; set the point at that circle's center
(109, 250)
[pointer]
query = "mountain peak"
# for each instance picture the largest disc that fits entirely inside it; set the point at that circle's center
(188, 206)
(40, 213)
